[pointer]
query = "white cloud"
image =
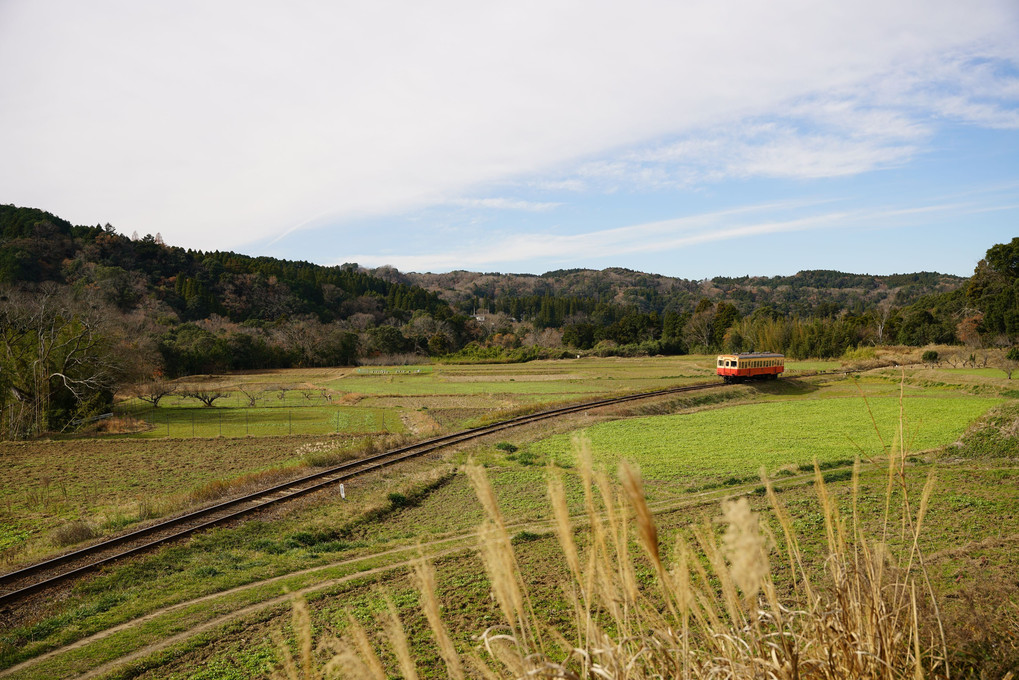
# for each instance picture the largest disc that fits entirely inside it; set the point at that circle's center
(221, 123)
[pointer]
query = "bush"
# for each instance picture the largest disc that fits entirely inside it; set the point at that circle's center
(398, 500)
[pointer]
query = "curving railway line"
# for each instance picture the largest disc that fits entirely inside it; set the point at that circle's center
(17, 585)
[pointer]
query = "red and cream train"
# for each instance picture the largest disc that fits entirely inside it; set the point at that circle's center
(753, 366)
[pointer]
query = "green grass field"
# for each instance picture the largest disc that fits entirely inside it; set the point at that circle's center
(983, 372)
(741, 439)
(179, 418)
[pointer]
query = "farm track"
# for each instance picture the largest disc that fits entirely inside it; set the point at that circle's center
(17, 585)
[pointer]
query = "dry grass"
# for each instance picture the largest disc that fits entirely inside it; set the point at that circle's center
(222, 488)
(313, 454)
(72, 533)
(122, 424)
(714, 607)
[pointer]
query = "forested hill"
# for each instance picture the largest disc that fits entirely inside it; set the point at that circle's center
(189, 285)
(219, 310)
(807, 293)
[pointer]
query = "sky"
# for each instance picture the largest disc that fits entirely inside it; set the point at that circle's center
(691, 139)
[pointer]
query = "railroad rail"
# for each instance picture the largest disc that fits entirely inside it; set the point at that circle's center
(19, 584)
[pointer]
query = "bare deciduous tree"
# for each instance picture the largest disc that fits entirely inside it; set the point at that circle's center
(251, 394)
(56, 359)
(1008, 361)
(207, 397)
(153, 391)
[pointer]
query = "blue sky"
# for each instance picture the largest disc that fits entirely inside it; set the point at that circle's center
(690, 139)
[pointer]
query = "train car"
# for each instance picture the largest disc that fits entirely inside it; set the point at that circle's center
(736, 368)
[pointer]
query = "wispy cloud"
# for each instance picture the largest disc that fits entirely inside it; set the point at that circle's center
(504, 204)
(549, 250)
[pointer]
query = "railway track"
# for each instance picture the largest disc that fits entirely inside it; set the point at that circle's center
(20, 584)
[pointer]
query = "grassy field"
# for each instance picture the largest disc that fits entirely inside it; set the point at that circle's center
(971, 510)
(180, 418)
(378, 399)
(782, 434)
(232, 580)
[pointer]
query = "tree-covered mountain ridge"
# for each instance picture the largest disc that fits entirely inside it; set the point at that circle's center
(798, 294)
(38, 246)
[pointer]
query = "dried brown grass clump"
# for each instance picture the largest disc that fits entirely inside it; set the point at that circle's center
(118, 425)
(222, 488)
(72, 533)
(329, 453)
(715, 609)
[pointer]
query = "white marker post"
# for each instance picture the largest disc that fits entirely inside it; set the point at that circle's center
(343, 494)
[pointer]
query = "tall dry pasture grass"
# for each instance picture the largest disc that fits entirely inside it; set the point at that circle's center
(716, 608)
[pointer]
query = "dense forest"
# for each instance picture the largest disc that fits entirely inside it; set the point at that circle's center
(85, 308)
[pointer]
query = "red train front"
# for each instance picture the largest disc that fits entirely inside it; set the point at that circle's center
(753, 366)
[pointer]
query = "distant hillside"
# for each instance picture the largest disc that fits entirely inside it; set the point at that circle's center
(36, 246)
(255, 312)
(800, 294)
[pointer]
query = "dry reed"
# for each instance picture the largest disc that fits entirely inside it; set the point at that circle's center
(714, 612)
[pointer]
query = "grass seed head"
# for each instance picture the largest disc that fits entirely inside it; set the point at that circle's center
(745, 547)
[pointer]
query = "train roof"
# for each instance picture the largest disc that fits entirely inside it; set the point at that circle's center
(755, 355)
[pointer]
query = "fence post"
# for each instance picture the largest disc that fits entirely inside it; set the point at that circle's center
(290, 420)
(192, 424)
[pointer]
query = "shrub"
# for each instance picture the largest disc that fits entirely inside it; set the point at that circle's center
(398, 500)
